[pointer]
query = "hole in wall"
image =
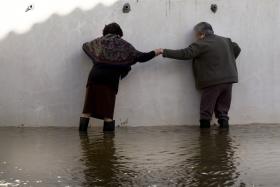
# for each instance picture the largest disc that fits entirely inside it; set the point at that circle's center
(214, 8)
(30, 7)
(126, 8)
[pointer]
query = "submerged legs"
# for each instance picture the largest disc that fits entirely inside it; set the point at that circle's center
(84, 121)
(108, 126)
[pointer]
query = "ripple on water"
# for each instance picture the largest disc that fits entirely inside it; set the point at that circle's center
(148, 156)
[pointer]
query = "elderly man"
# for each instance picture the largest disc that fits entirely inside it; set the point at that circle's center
(214, 69)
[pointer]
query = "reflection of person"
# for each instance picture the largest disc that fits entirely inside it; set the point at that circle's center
(99, 157)
(112, 57)
(214, 164)
(215, 71)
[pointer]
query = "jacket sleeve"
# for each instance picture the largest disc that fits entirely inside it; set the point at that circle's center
(236, 49)
(183, 54)
(144, 57)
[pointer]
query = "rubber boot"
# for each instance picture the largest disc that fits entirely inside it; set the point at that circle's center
(83, 124)
(204, 124)
(109, 126)
(223, 123)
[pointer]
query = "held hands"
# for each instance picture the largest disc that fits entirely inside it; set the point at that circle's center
(158, 51)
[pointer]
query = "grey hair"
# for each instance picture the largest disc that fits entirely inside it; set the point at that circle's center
(204, 28)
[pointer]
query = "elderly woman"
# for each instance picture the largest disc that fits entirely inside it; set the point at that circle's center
(112, 58)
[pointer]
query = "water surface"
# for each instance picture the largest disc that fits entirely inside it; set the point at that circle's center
(142, 156)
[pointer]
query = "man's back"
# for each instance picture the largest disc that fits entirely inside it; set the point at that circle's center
(215, 61)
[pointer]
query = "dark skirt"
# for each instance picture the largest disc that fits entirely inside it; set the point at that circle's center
(100, 101)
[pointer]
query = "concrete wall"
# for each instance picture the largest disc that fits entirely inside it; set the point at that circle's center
(43, 70)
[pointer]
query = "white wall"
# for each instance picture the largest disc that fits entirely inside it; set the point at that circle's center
(43, 70)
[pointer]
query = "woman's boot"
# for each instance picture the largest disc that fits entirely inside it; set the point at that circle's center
(83, 124)
(109, 126)
(204, 124)
(223, 123)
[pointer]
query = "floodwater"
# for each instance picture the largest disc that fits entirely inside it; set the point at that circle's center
(142, 156)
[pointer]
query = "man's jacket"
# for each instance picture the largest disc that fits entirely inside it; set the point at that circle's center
(213, 60)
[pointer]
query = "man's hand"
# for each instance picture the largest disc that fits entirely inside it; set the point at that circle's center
(158, 51)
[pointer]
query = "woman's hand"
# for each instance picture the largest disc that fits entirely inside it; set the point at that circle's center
(158, 51)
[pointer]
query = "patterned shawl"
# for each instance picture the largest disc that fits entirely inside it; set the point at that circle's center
(111, 50)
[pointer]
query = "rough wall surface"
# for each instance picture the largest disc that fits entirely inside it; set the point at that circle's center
(43, 70)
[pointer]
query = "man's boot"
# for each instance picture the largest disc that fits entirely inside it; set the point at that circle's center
(109, 126)
(223, 123)
(204, 124)
(83, 124)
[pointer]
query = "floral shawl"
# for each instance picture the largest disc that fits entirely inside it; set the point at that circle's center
(111, 50)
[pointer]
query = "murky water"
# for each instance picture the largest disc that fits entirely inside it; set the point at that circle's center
(144, 156)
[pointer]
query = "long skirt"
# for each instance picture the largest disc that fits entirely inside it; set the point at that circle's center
(100, 101)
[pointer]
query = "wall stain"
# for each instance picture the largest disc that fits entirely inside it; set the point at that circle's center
(168, 7)
(169, 4)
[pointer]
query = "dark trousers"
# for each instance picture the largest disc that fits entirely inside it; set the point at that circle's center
(215, 99)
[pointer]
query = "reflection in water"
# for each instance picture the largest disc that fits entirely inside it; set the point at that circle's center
(102, 166)
(215, 162)
(193, 158)
(144, 156)
(99, 159)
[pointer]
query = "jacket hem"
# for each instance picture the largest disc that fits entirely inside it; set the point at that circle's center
(214, 83)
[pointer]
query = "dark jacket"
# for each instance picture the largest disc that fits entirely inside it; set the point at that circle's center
(213, 60)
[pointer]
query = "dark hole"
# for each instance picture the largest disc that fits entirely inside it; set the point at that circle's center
(214, 8)
(126, 8)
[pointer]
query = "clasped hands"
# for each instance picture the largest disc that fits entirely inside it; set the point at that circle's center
(158, 51)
